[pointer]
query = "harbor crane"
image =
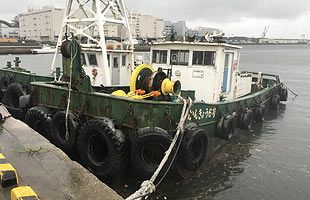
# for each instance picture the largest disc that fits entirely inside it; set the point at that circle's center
(265, 32)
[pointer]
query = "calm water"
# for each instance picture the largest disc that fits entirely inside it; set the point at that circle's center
(279, 163)
(270, 162)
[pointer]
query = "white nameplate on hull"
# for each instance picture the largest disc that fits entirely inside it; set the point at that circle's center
(198, 73)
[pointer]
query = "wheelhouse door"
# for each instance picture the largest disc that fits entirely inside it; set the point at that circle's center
(115, 70)
(227, 72)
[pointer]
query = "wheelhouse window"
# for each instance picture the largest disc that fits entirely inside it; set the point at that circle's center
(204, 58)
(123, 60)
(159, 56)
(179, 57)
(92, 59)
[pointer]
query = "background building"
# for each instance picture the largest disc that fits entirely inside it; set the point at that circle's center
(8, 32)
(201, 31)
(41, 24)
(9, 29)
(178, 28)
(145, 26)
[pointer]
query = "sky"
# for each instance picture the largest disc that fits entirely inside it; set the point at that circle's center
(286, 18)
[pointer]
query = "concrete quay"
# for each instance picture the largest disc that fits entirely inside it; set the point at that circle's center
(45, 168)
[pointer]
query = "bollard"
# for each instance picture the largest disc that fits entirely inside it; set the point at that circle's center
(9, 64)
(17, 61)
(23, 193)
(8, 176)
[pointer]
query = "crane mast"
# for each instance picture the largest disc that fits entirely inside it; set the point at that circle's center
(87, 20)
(264, 34)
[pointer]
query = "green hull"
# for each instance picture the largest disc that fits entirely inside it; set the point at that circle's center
(131, 115)
(107, 129)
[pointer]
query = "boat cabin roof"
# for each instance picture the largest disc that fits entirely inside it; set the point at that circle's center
(193, 45)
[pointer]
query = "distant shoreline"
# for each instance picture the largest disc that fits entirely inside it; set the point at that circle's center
(272, 44)
(23, 49)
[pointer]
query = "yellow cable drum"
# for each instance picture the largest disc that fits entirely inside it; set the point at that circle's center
(139, 76)
(145, 82)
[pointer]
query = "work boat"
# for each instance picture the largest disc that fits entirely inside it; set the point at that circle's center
(46, 49)
(191, 97)
(176, 110)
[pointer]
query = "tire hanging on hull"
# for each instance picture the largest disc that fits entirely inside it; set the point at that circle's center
(4, 83)
(102, 148)
(58, 131)
(226, 127)
(260, 113)
(39, 118)
(11, 98)
(193, 149)
(275, 102)
(283, 94)
(148, 148)
(246, 120)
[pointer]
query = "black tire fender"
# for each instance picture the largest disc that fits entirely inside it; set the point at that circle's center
(11, 99)
(102, 148)
(24, 101)
(283, 94)
(39, 119)
(246, 119)
(193, 149)
(65, 49)
(226, 127)
(275, 102)
(12, 95)
(4, 83)
(260, 113)
(148, 148)
(58, 131)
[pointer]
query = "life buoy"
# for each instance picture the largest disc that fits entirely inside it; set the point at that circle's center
(11, 98)
(148, 148)
(283, 94)
(226, 127)
(102, 148)
(260, 113)
(246, 120)
(58, 131)
(275, 102)
(39, 118)
(193, 148)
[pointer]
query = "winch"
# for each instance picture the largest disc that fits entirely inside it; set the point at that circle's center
(146, 83)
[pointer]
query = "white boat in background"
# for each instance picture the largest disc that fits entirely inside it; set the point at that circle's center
(46, 49)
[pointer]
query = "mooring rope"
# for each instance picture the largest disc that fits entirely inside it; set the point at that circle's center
(180, 141)
(295, 94)
(147, 187)
(69, 93)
